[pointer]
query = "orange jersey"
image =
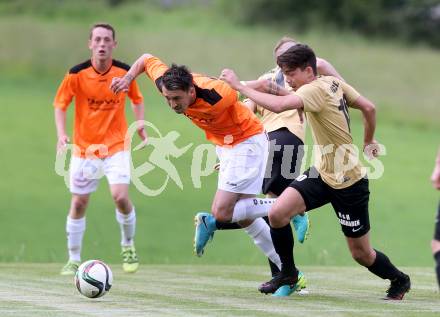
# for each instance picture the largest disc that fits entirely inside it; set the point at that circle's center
(225, 120)
(99, 113)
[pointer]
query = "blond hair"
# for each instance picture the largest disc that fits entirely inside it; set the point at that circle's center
(284, 39)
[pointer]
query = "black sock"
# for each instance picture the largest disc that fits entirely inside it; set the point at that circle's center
(383, 267)
(227, 225)
(437, 267)
(282, 239)
(273, 268)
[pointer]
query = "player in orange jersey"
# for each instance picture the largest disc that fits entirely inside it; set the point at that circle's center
(99, 134)
(241, 146)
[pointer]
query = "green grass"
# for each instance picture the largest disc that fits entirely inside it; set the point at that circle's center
(181, 290)
(402, 201)
(33, 58)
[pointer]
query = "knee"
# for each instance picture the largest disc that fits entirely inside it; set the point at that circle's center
(277, 219)
(120, 200)
(222, 213)
(79, 205)
(363, 256)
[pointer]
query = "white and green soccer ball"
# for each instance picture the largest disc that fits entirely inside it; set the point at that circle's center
(93, 278)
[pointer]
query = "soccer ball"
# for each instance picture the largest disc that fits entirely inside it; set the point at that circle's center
(93, 278)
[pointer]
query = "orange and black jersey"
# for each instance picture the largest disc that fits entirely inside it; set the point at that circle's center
(217, 110)
(99, 113)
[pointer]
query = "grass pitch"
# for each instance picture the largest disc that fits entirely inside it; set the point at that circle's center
(178, 290)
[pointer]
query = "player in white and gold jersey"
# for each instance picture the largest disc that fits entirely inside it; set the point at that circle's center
(286, 132)
(337, 177)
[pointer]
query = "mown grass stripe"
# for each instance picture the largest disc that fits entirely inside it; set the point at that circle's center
(174, 290)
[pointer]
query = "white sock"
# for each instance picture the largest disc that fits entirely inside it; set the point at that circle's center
(251, 208)
(127, 224)
(259, 231)
(75, 231)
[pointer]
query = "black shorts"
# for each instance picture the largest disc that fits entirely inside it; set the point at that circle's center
(350, 204)
(281, 175)
(437, 225)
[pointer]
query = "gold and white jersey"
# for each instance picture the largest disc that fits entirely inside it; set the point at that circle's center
(326, 102)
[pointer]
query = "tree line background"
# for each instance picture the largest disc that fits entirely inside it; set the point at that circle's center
(411, 21)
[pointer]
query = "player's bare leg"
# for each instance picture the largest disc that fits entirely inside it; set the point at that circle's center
(126, 217)
(379, 264)
(300, 222)
(75, 227)
(226, 206)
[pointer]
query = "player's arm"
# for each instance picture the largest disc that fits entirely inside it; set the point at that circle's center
(252, 106)
(63, 98)
(327, 69)
(368, 110)
(267, 86)
(138, 111)
(137, 105)
(435, 177)
(263, 85)
(60, 123)
(273, 103)
(123, 83)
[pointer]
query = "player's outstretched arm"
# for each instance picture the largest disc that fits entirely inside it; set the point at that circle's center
(122, 83)
(267, 86)
(252, 106)
(325, 68)
(368, 110)
(271, 102)
(435, 177)
(263, 85)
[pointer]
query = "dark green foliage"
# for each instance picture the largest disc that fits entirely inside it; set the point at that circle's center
(409, 20)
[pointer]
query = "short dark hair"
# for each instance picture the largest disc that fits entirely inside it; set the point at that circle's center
(105, 26)
(298, 56)
(177, 78)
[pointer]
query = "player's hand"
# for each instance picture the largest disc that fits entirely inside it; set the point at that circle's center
(435, 177)
(144, 137)
(229, 77)
(371, 149)
(120, 84)
(62, 142)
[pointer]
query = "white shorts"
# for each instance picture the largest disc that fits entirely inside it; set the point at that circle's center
(86, 173)
(242, 166)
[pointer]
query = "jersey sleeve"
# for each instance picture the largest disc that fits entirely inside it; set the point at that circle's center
(350, 94)
(154, 68)
(135, 94)
(312, 96)
(226, 96)
(66, 92)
